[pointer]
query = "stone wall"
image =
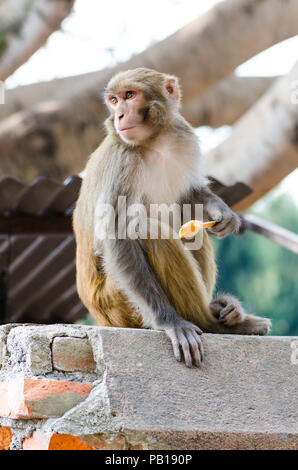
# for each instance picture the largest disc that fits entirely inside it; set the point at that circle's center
(78, 387)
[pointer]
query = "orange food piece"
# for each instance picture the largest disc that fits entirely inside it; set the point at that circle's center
(191, 228)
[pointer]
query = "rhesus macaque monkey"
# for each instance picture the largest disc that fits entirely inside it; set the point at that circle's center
(151, 156)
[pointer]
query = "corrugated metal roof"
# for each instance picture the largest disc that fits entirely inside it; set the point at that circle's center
(38, 270)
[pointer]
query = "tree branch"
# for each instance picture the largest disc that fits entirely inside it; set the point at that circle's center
(225, 102)
(38, 23)
(26, 96)
(263, 147)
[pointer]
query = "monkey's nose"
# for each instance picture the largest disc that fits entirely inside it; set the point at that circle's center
(121, 116)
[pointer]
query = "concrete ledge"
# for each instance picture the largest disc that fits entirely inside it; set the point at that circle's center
(243, 397)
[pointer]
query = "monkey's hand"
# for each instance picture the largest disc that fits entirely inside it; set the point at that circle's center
(227, 221)
(186, 342)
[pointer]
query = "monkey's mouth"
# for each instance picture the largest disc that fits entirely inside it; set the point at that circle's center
(127, 128)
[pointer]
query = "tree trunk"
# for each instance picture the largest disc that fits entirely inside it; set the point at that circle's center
(263, 147)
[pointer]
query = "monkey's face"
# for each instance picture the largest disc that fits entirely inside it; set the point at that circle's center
(130, 116)
(142, 103)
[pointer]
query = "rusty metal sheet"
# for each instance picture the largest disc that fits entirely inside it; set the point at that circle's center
(78, 312)
(39, 260)
(37, 195)
(66, 197)
(10, 191)
(43, 195)
(49, 290)
(31, 257)
(44, 269)
(65, 301)
(4, 253)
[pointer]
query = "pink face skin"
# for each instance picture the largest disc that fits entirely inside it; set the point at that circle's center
(128, 121)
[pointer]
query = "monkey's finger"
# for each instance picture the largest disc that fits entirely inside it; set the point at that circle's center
(192, 326)
(176, 350)
(195, 348)
(214, 213)
(230, 315)
(197, 330)
(185, 347)
(199, 342)
(229, 225)
(197, 335)
(226, 310)
(175, 343)
(215, 308)
(220, 226)
(229, 229)
(224, 233)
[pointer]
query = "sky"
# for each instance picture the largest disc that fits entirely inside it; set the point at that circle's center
(99, 34)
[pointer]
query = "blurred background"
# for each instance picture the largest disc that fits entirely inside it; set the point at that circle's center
(237, 62)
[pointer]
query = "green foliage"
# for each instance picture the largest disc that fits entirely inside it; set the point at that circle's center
(260, 272)
(87, 320)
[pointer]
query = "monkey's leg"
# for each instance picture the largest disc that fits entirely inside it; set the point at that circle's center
(189, 289)
(88, 281)
(229, 312)
(99, 294)
(182, 281)
(230, 315)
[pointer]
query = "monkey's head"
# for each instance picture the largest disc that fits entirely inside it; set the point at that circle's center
(142, 103)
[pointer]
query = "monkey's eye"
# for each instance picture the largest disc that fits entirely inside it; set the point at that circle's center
(113, 100)
(129, 94)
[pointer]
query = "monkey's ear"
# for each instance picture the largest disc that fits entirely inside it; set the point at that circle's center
(172, 88)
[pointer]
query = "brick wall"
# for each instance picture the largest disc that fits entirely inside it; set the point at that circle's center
(77, 387)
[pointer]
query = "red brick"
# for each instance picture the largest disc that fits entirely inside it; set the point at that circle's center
(5, 437)
(27, 398)
(104, 441)
(47, 441)
(41, 440)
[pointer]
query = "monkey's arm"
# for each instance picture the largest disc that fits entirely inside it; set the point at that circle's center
(214, 208)
(128, 265)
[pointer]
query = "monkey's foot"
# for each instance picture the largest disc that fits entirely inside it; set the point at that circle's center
(253, 325)
(228, 310)
(186, 342)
